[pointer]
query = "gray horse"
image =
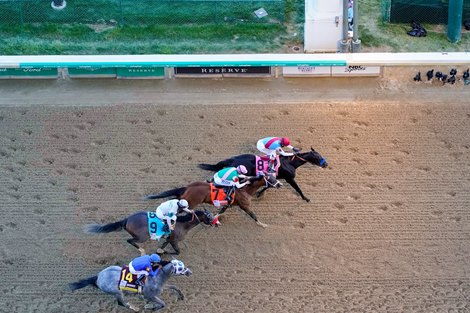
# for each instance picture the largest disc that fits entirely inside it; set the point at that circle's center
(137, 226)
(108, 281)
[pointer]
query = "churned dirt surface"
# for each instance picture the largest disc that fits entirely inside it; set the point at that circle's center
(387, 230)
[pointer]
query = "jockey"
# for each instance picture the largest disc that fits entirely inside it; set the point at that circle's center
(167, 211)
(271, 146)
(230, 177)
(143, 266)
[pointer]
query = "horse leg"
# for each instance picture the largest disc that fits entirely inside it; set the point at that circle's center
(223, 209)
(261, 192)
(120, 299)
(160, 250)
(175, 246)
(179, 293)
(252, 215)
(133, 241)
(294, 185)
(156, 303)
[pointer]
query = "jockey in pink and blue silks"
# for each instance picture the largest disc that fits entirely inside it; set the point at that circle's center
(272, 146)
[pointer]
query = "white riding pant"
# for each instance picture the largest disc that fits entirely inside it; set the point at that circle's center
(223, 182)
(133, 271)
(271, 153)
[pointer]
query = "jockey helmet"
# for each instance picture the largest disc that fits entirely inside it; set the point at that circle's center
(241, 169)
(155, 258)
(183, 204)
(285, 142)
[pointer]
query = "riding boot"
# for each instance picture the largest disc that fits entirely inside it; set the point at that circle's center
(165, 228)
(228, 192)
(138, 281)
(271, 166)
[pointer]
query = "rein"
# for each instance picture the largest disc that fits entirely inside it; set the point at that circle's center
(195, 215)
(297, 156)
(268, 184)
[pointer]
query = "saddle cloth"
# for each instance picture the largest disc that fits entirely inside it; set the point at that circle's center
(155, 226)
(219, 196)
(127, 281)
(262, 164)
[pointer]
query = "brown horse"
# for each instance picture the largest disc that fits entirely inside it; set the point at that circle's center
(200, 192)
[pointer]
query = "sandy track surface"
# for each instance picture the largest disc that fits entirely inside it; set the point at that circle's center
(388, 228)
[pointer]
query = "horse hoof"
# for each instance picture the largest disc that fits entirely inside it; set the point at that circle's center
(160, 251)
(134, 308)
(262, 224)
(307, 199)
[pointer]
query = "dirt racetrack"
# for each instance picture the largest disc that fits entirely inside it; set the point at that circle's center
(388, 228)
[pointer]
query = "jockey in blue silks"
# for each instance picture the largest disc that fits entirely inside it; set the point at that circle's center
(143, 266)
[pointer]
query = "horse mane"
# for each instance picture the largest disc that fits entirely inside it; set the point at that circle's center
(188, 216)
(167, 267)
(302, 154)
(162, 274)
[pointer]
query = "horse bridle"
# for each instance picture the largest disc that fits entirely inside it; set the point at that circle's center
(297, 156)
(195, 216)
(207, 216)
(268, 184)
(322, 161)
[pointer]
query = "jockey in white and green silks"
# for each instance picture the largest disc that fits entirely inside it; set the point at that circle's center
(230, 176)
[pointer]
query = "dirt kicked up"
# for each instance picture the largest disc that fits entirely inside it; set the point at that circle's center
(387, 230)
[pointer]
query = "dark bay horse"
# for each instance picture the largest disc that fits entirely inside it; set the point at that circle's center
(286, 169)
(137, 226)
(200, 192)
(108, 281)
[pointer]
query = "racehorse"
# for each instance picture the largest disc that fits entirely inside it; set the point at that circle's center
(286, 169)
(200, 192)
(108, 280)
(137, 226)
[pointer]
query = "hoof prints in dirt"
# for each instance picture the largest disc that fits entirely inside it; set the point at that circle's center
(372, 231)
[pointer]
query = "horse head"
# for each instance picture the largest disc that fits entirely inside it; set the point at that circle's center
(271, 181)
(268, 179)
(154, 285)
(207, 218)
(179, 269)
(312, 157)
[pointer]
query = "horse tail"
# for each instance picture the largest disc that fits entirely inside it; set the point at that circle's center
(173, 193)
(83, 283)
(106, 228)
(216, 167)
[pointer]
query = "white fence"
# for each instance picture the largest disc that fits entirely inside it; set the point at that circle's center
(223, 65)
(330, 59)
